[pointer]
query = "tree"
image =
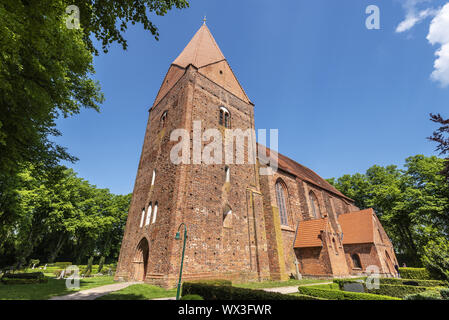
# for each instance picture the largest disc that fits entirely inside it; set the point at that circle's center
(45, 73)
(60, 215)
(441, 136)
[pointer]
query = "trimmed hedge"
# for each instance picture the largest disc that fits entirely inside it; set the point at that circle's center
(29, 275)
(217, 292)
(414, 273)
(24, 278)
(23, 281)
(341, 295)
(392, 290)
(399, 291)
(408, 282)
(397, 281)
(426, 295)
(213, 282)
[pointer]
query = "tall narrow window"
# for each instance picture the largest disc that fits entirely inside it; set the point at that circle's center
(225, 117)
(280, 197)
(227, 174)
(314, 204)
(227, 217)
(163, 118)
(147, 221)
(153, 177)
(154, 213)
(142, 218)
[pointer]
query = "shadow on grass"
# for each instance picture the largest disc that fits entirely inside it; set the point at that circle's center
(44, 291)
(139, 292)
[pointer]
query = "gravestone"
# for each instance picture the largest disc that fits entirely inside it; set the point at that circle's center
(354, 287)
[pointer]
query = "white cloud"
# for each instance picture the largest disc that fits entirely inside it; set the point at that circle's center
(412, 18)
(439, 34)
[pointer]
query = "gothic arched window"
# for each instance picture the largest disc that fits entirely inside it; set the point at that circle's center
(153, 177)
(163, 118)
(314, 204)
(147, 220)
(282, 204)
(225, 117)
(142, 218)
(154, 213)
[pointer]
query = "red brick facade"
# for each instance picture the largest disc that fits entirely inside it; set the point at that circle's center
(234, 227)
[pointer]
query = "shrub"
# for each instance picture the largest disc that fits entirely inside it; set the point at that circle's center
(394, 290)
(192, 297)
(444, 292)
(24, 278)
(426, 295)
(397, 281)
(436, 258)
(57, 273)
(23, 281)
(61, 265)
(214, 282)
(30, 275)
(341, 295)
(414, 273)
(227, 292)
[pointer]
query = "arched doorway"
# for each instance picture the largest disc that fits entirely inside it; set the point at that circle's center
(140, 260)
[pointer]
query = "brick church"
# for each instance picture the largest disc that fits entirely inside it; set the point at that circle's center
(241, 225)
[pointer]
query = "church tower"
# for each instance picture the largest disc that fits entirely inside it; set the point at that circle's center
(221, 204)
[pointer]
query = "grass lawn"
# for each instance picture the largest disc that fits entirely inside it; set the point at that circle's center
(53, 287)
(274, 284)
(139, 292)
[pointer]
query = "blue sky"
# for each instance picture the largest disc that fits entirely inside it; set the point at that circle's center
(343, 97)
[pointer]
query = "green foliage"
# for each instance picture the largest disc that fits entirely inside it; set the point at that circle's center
(426, 295)
(12, 281)
(398, 291)
(341, 295)
(100, 264)
(191, 297)
(44, 291)
(101, 18)
(217, 292)
(412, 203)
(139, 292)
(444, 293)
(62, 265)
(87, 272)
(396, 281)
(441, 137)
(391, 289)
(24, 278)
(436, 258)
(421, 283)
(414, 273)
(213, 282)
(46, 72)
(62, 215)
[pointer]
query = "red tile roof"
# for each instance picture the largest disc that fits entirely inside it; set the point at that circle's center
(308, 233)
(306, 174)
(357, 226)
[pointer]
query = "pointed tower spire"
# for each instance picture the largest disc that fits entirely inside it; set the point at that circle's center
(200, 51)
(203, 53)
